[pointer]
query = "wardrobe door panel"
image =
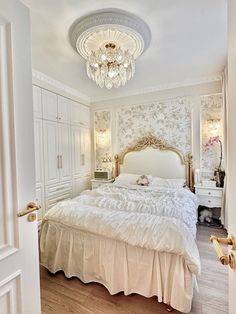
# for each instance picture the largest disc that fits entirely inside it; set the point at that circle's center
(65, 164)
(76, 151)
(64, 109)
(49, 101)
(84, 115)
(51, 155)
(85, 150)
(80, 114)
(75, 113)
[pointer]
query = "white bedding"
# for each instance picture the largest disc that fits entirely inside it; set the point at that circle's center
(161, 220)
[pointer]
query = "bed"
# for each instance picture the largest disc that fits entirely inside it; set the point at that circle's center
(131, 238)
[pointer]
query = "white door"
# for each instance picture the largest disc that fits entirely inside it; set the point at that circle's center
(19, 260)
(231, 164)
(65, 152)
(39, 165)
(38, 148)
(51, 152)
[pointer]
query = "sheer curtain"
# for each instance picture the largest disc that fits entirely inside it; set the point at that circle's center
(224, 213)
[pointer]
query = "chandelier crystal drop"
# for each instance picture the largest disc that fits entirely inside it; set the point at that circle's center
(110, 66)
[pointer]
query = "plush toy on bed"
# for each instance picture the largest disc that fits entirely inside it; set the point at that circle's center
(143, 180)
(205, 216)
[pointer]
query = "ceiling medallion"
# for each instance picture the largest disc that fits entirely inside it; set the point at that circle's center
(110, 41)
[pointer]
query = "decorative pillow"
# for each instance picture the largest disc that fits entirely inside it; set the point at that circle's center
(143, 180)
(127, 178)
(167, 183)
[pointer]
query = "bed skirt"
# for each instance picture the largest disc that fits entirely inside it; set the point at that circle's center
(117, 265)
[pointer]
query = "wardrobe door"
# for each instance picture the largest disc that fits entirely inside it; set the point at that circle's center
(51, 155)
(80, 114)
(49, 101)
(85, 151)
(76, 151)
(84, 115)
(65, 164)
(64, 109)
(75, 113)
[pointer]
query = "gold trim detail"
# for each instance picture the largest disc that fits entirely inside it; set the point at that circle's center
(151, 141)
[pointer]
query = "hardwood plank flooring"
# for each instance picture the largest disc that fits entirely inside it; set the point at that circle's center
(70, 296)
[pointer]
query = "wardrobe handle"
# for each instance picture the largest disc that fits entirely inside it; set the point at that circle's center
(82, 159)
(60, 161)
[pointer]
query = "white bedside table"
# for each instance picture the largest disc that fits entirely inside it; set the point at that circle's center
(98, 182)
(211, 197)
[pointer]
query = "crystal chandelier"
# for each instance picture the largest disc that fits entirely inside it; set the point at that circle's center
(110, 66)
(110, 41)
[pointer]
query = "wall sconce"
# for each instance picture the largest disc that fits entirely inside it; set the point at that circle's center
(214, 126)
(106, 158)
(101, 137)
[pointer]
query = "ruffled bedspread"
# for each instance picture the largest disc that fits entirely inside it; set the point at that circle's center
(161, 219)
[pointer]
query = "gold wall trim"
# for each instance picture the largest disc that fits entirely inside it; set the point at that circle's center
(151, 141)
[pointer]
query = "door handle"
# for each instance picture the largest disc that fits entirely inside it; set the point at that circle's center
(225, 259)
(31, 207)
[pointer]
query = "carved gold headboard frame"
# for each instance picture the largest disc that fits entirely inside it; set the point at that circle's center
(151, 141)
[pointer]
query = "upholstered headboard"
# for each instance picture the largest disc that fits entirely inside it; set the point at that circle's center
(149, 155)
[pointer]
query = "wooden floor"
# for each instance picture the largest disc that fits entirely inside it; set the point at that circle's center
(64, 296)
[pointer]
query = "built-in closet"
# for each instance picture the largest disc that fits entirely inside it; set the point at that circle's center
(62, 148)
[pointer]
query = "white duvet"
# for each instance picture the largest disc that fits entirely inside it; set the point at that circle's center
(161, 219)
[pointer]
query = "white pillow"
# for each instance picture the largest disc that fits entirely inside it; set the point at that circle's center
(127, 178)
(167, 183)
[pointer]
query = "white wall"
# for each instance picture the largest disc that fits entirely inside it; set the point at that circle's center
(193, 93)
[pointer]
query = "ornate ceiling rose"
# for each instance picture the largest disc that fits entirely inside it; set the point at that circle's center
(110, 40)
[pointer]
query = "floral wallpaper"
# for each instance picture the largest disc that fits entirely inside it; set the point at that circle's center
(102, 138)
(211, 109)
(169, 120)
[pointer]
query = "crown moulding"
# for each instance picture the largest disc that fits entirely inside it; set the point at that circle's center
(91, 32)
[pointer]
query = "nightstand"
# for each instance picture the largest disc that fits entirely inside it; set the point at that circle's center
(98, 182)
(211, 197)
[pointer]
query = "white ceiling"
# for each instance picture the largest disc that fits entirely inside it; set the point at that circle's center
(188, 42)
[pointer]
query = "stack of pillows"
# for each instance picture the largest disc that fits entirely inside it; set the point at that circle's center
(149, 180)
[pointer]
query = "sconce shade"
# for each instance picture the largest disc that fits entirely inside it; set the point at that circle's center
(214, 126)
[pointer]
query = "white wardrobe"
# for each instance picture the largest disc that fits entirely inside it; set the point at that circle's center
(62, 148)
